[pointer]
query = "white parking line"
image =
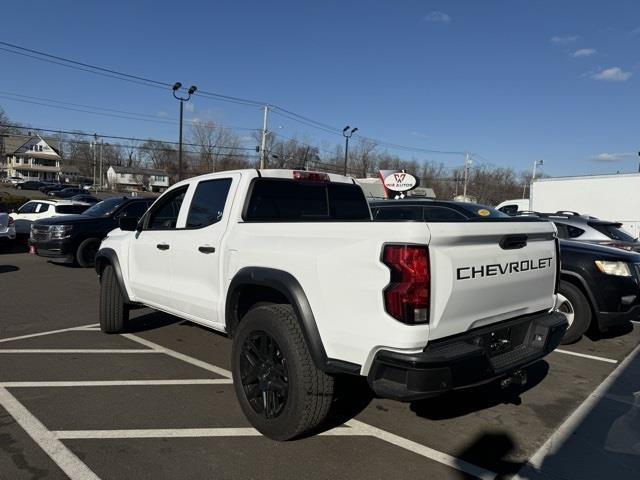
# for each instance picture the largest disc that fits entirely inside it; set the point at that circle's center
(422, 450)
(584, 355)
(184, 433)
(118, 383)
(68, 462)
(50, 332)
(179, 356)
(562, 434)
(78, 350)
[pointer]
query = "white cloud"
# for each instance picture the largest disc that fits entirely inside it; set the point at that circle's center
(635, 32)
(437, 17)
(420, 134)
(162, 114)
(189, 107)
(612, 157)
(583, 52)
(613, 74)
(563, 39)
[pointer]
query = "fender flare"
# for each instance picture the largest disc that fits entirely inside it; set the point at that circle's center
(286, 284)
(108, 256)
(585, 288)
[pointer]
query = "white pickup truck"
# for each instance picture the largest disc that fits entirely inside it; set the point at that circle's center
(291, 266)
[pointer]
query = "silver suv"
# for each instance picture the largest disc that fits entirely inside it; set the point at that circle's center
(573, 226)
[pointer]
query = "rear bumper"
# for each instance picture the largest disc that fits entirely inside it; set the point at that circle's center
(465, 360)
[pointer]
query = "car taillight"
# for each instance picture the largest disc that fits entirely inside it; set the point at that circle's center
(406, 298)
(11, 222)
(310, 176)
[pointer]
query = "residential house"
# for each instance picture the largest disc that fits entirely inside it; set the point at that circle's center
(29, 157)
(134, 179)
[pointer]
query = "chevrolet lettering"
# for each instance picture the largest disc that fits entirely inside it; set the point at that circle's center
(493, 269)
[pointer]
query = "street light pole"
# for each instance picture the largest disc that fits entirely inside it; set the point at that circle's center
(347, 133)
(467, 162)
(191, 91)
(265, 132)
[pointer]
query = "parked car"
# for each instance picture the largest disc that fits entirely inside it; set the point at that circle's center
(76, 238)
(599, 287)
(67, 192)
(13, 181)
(433, 211)
(29, 185)
(84, 198)
(290, 265)
(583, 228)
(7, 228)
(512, 207)
(52, 187)
(37, 209)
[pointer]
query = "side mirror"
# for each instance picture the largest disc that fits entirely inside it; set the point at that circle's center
(129, 224)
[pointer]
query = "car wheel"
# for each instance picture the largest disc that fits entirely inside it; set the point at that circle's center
(86, 253)
(280, 390)
(573, 304)
(114, 311)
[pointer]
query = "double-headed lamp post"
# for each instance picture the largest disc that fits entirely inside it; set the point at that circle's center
(347, 133)
(191, 91)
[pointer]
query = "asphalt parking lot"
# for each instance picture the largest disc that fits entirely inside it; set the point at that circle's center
(158, 403)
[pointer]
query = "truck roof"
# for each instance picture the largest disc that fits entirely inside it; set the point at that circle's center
(270, 173)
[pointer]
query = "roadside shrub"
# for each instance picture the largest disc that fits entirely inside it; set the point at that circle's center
(10, 202)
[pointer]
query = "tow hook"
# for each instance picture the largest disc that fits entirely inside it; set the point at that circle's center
(518, 378)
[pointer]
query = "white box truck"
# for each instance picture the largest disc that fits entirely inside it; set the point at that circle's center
(609, 197)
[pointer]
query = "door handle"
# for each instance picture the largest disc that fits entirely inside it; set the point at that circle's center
(162, 246)
(205, 249)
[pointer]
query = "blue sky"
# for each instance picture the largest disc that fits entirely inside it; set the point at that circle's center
(512, 80)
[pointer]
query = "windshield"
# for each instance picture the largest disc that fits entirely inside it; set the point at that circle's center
(104, 208)
(481, 211)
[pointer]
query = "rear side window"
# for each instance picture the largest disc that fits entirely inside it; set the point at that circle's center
(277, 200)
(208, 202)
(509, 209)
(442, 214)
(613, 231)
(71, 209)
(407, 213)
(42, 207)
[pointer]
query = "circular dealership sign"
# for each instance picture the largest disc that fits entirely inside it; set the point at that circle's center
(400, 182)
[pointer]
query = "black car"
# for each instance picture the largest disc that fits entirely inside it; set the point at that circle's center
(85, 198)
(66, 192)
(53, 187)
(29, 185)
(76, 238)
(599, 287)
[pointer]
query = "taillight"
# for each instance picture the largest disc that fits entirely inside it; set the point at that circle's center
(310, 176)
(406, 298)
(11, 222)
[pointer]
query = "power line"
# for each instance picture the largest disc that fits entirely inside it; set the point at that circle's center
(121, 113)
(83, 66)
(117, 137)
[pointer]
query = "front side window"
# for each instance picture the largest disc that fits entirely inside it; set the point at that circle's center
(135, 209)
(28, 207)
(208, 203)
(164, 216)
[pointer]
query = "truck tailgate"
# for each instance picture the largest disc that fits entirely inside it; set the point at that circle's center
(486, 272)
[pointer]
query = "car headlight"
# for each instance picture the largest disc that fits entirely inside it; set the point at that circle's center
(619, 269)
(59, 232)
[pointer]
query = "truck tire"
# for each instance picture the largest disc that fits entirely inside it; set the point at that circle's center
(86, 253)
(114, 311)
(280, 390)
(573, 304)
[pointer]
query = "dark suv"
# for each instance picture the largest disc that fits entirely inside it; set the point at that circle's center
(76, 238)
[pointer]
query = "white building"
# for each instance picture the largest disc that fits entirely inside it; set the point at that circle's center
(29, 157)
(132, 179)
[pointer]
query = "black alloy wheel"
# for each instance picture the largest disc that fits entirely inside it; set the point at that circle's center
(264, 375)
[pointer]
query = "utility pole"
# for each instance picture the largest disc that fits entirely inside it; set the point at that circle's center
(265, 132)
(101, 145)
(467, 162)
(94, 145)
